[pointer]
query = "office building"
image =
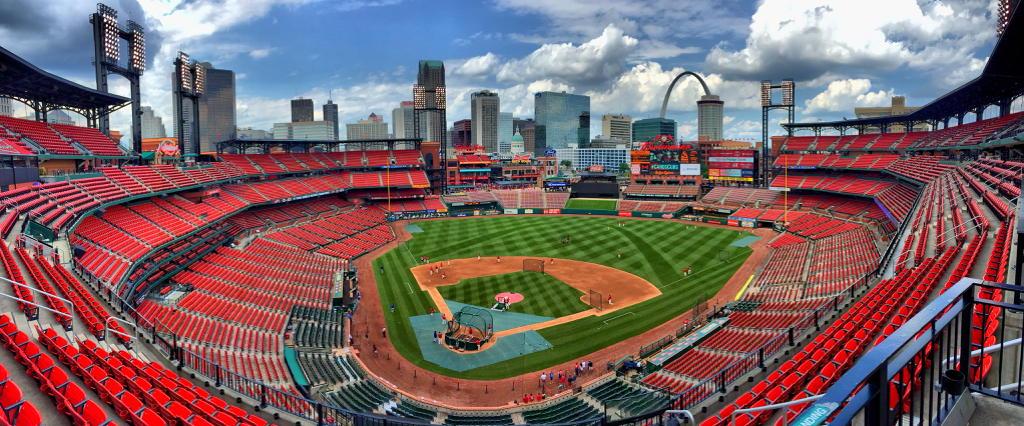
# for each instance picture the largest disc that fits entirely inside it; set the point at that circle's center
(305, 130)
(485, 107)
(617, 126)
(582, 158)
(331, 114)
(709, 118)
(504, 131)
(898, 106)
(561, 119)
(6, 107)
(59, 116)
(608, 143)
(430, 102)
(152, 124)
(248, 133)
(462, 133)
(402, 121)
(646, 129)
(216, 110)
(302, 110)
(373, 127)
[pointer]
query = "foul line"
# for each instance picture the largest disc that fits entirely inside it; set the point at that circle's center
(744, 288)
(617, 316)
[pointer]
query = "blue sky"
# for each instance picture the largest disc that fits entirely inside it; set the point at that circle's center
(622, 53)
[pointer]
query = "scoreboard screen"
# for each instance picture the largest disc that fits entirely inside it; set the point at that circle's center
(736, 165)
(674, 160)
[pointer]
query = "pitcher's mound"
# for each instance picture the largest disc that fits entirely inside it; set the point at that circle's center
(510, 297)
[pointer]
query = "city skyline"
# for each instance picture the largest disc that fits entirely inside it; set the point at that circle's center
(619, 54)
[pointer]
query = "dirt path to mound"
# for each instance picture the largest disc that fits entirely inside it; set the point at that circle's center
(391, 368)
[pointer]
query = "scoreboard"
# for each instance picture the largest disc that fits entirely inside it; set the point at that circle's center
(732, 165)
(680, 160)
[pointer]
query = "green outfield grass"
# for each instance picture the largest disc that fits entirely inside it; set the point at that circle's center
(543, 294)
(654, 250)
(590, 204)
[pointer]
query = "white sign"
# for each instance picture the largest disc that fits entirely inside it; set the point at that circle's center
(689, 169)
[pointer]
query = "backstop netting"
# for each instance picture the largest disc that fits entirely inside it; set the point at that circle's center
(533, 265)
(596, 300)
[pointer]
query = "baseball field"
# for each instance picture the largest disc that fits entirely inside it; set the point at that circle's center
(656, 251)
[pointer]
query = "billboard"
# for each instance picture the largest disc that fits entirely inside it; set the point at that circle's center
(733, 165)
(669, 160)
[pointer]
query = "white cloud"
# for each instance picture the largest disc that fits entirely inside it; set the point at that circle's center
(477, 66)
(595, 61)
(260, 53)
(844, 95)
(803, 39)
(642, 89)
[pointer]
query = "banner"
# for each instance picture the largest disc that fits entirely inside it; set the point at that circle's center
(689, 169)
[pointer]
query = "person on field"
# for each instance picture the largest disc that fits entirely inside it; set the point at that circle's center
(609, 300)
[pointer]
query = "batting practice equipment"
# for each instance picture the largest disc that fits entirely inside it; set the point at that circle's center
(596, 300)
(533, 265)
(470, 328)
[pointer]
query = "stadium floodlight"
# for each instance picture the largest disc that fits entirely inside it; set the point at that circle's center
(441, 98)
(766, 93)
(787, 92)
(184, 72)
(419, 97)
(137, 42)
(111, 34)
(200, 79)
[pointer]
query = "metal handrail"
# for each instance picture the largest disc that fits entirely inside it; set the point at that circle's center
(773, 407)
(70, 305)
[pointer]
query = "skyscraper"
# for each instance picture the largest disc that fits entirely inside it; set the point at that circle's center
(216, 110)
(462, 133)
(617, 127)
(59, 116)
(560, 117)
(305, 130)
(505, 132)
(331, 114)
(302, 110)
(402, 120)
(152, 124)
(430, 101)
(709, 118)
(647, 128)
(373, 127)
(485, 105)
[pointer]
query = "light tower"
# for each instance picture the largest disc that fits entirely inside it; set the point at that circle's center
(189, 83)
(106, 37)
(788, 88)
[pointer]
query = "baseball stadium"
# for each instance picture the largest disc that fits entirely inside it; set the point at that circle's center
(859, 271)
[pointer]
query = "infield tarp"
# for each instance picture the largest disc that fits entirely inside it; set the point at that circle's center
(506, 348)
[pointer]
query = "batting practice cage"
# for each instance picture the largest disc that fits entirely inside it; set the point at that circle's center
(533, 265)
(469, 329)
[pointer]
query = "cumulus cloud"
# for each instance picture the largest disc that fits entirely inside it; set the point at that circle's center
(595, 61)
(642, 89)
(477, 66)
(844, 95)
(260, 53)
(803, 39)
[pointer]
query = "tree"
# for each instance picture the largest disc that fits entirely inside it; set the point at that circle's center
(624, 169)
(567, 164)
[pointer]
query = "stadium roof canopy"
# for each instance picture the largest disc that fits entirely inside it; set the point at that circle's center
(243, 145)
(1001, 81)
(44, 92)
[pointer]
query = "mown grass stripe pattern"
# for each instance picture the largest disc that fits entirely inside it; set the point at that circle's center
(654, 250)
(543, 294)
